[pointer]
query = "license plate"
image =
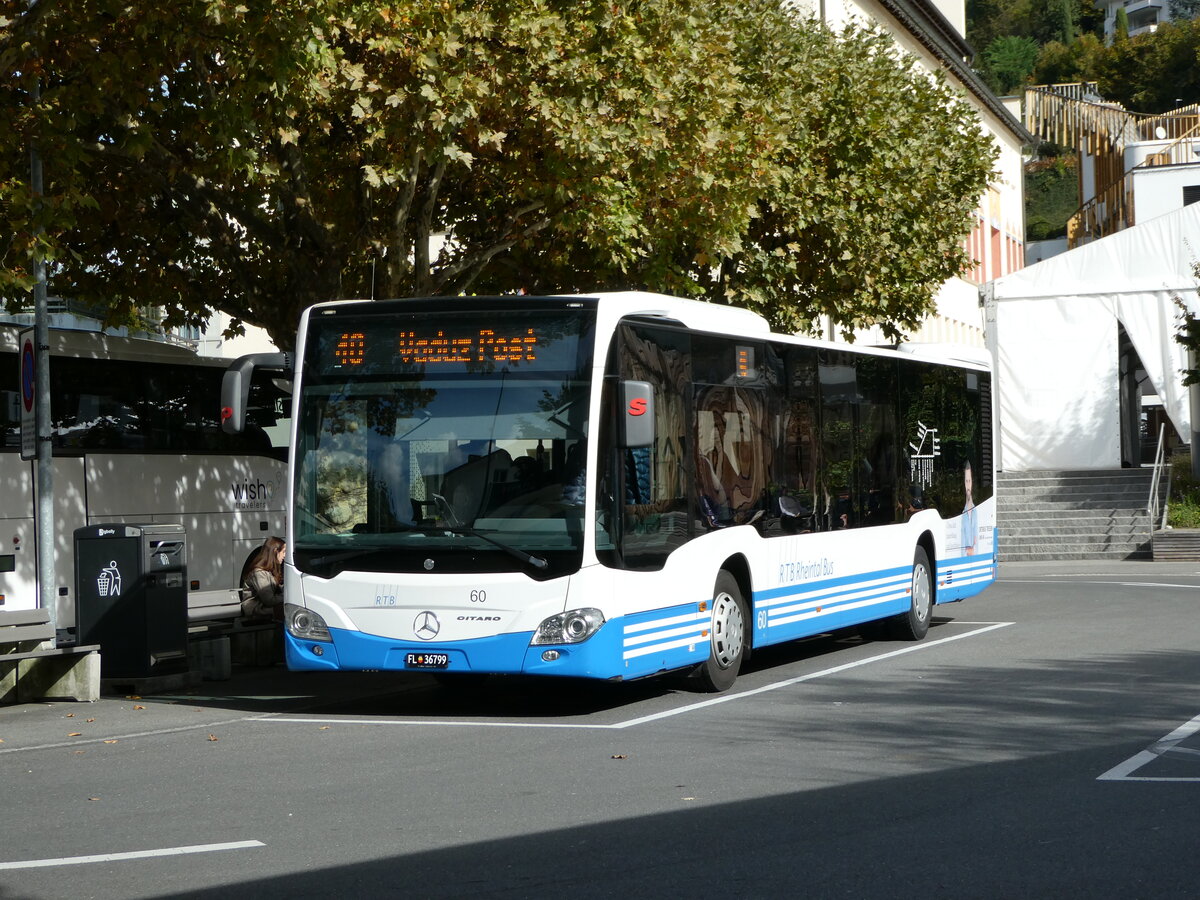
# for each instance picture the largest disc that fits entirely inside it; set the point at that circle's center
(426, 660)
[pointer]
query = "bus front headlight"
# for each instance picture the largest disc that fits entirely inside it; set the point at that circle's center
(571, 627)
(305, 624)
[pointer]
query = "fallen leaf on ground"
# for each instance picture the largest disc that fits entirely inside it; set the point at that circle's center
(213, 737)
(138, 707)
(75, 734)
(620, 756)
(110, 742)
(91, 720)
(93, 798)
(70, 715)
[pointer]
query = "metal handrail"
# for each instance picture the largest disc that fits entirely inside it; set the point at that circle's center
(1155, 479)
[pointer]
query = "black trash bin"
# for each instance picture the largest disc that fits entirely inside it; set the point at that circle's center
(131, 597)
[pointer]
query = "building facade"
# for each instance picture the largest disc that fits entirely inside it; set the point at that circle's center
(1144, 16)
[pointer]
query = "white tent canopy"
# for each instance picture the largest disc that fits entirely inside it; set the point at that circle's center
(1053, 332)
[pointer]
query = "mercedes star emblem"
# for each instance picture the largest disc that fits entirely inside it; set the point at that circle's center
(426, 626)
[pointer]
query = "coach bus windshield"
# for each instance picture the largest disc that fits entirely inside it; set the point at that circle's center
(443, 441)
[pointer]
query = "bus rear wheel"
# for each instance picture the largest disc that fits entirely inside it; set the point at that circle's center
(728, 635)
(914, 624)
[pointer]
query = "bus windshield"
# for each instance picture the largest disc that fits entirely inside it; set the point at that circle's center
(443, 441)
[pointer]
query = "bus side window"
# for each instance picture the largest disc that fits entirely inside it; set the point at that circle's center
(799, 460)
(878, 488)
(836, 508)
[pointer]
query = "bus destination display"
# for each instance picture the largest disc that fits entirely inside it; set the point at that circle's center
(441, 345)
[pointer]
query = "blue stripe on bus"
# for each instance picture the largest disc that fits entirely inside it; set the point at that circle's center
(800, 610)
(663, 639)
(964, 576)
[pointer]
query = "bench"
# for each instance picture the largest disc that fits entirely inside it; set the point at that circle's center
(219, 635)
(31, 671)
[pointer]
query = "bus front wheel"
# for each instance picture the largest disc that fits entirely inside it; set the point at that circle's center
(727, 635)
(914, 624)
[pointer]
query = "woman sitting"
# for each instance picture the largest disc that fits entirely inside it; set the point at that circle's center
(262, 586)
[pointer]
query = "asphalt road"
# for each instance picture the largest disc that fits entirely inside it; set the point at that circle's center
(1043, 741)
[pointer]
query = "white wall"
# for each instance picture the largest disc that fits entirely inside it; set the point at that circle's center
(256, 340)
(1159, 191)
(1036, 251)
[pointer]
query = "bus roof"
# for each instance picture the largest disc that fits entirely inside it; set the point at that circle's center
(77, 343)
(698, 315)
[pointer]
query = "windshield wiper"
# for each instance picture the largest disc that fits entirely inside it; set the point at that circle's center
(340, 556)
(459, 527)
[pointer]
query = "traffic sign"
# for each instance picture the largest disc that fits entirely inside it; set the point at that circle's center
(28, 384)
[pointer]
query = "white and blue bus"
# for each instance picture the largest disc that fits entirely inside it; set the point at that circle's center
(616, 486)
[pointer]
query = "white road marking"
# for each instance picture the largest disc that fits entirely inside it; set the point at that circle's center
(629, 723)
(126, 737)
(788, 682)
(1124, 771)
(134, 854)
(1153, 584)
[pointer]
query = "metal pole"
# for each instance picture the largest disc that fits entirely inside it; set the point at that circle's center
(47, 590)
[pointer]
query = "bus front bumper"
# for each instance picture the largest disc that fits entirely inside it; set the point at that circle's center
(506, 654)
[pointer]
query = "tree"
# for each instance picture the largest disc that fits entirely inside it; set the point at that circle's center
(1187, 332)
(1184, 9)
(1060, 63)
(873, 143)
(1121, 26)
(1009, 60)
(1056, 20)
(258, 157)
(1154, 72)
(1051, 195)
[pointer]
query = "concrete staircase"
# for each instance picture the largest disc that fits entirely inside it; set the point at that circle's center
(1088, 514)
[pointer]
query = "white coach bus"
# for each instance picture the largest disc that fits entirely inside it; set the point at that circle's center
(616, 486)
(137, 439)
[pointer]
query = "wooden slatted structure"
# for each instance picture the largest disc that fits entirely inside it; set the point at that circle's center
(1073, 115)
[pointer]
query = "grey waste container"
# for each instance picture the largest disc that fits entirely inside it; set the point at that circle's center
(131, 597)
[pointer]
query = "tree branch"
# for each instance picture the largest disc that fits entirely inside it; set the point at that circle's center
(471, 265)
(422, 275)
(397, 258)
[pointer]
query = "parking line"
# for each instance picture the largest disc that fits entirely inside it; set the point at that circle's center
(126, 737)
(788, 682)
(134, 854)
(641, 720)
(1124, 771)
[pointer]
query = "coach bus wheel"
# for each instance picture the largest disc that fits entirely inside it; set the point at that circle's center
(727, 635)
(914, 624)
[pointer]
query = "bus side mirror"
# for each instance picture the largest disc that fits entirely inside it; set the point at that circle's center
(637, 414)
(235, 386)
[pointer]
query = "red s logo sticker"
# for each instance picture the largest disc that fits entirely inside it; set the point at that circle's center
(637, 406)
